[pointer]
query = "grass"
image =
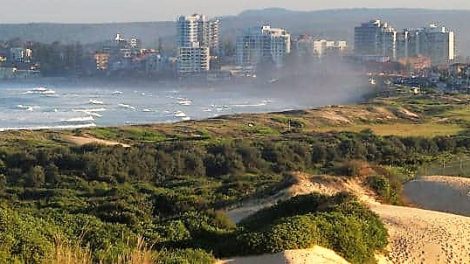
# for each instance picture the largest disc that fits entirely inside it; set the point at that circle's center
(402, 129)
(134, 133)
(383, 115)
(261, 130)
(458, 113)
(70, 253)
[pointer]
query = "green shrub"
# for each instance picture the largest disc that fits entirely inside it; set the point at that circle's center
(186, 256)
(338, 222)
(25, 239)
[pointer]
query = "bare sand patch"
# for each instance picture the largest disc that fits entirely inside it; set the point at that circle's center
(317, 255)
(440, 193)
(422, 236)
(83, 140)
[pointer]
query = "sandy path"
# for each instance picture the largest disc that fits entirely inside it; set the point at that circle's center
(83, 140)
(440, 193)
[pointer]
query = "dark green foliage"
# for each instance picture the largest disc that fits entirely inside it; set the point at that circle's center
(387, 185)
(172, 193)
(186, 256)
(337, 222)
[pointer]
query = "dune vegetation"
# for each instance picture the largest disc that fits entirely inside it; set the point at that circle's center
(158, 193)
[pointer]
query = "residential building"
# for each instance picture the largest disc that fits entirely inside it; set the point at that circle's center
(21, 55)
(193, 60)
(135, 43)
(102, 61)
(324, 47)
(378, 38)
(375, 38)
(435, 42)
(263, 45)
(319, 48)
(197, 41)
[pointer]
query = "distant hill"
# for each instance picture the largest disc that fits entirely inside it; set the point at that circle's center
(327, 23)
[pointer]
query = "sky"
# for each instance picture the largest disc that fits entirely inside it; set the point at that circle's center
(93, 11)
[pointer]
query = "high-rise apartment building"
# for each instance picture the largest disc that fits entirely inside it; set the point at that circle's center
(197, 40)
(375, 38)
(378, 38)
(263, 45)
(434, 42)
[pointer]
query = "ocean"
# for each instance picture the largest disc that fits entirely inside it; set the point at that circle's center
(58, 105)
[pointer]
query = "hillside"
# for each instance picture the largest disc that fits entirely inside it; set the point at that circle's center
(235, 186)
(326, 23)
(416, 235)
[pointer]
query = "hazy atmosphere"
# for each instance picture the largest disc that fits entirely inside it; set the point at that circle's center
(234, 132)
(91, 11)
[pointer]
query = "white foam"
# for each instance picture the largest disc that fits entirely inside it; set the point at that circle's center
(96, 102)
(91, 110)
(59, 127)
(79, 119)
(126, 106)
(25, 107)
(41, 90)
(251, 105)
(180, 114)
(185, 102)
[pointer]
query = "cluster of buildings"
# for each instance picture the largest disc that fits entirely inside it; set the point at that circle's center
(199, 53)
(123, 54)
(320, 48)
(378, 40)
(199, 49)
(17, 62)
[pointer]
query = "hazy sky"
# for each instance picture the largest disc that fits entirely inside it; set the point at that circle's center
(13, 11)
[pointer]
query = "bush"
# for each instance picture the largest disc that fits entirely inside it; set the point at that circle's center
(25, 239)
(337, 222)
(351, 168)
(186, 256)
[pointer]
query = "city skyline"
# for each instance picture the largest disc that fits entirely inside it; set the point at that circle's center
(90, 11)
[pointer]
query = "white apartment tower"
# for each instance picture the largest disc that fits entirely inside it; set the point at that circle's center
(197, 40)
(263, 45)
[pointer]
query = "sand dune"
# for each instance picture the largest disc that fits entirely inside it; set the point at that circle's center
(440, 193)
(422, 236)
(317, 255)
(83, 140)
(416, 235)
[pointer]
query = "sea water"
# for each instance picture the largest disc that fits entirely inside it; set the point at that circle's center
(62, 106)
